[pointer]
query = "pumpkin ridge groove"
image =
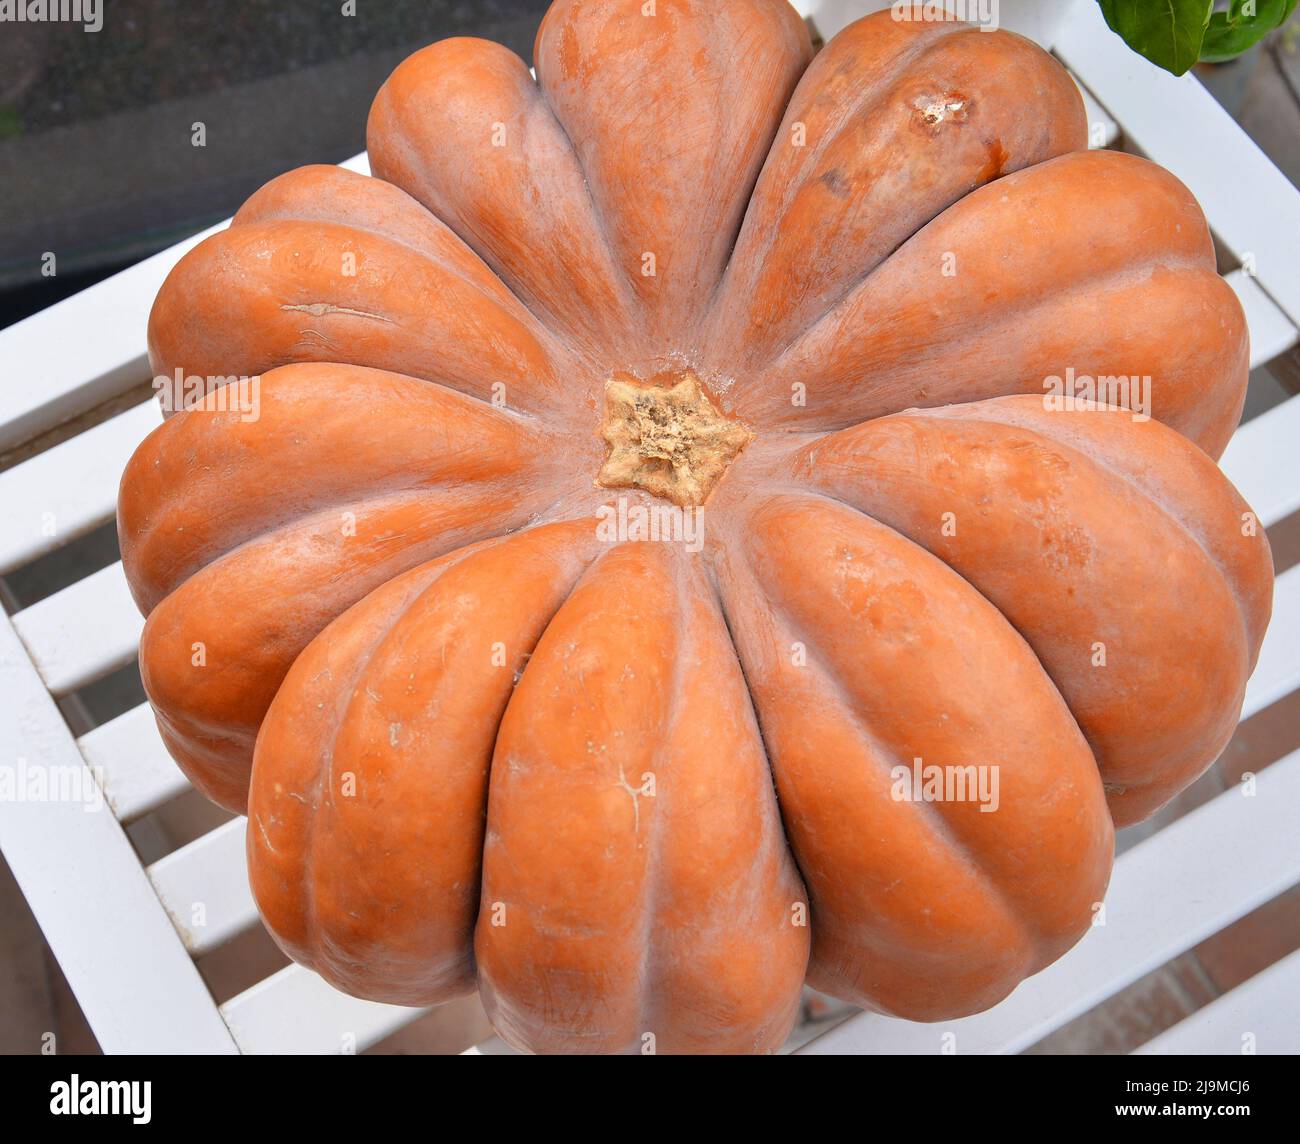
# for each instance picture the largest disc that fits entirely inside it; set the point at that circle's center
(832, 497)
(867, 99)
(1157, 778)
(1033, 948)
(324, 783)
(381, 499)
(397, 486)
(630, 301)
(467, 556)
(442, 264)
(1131, 273)
(649, 973)
(526, 314)
(1096, 285)
(214, 728)
(434, 573)
(941, 826)
(581, 342)
(1178, 519)
(524, 346)
(720, 601)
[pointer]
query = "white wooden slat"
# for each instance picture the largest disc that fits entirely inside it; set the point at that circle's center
(1277, 673)
(1193, 878)
(1040, 20)
(204, 888)
(81, 351)
(496, 1047)
(131, 975)
(1251, 206)
(84, 632)
(492, 1047)
(1103, 131)
(1272, 333)
(89, 347)
(134, 768)
(1263, 462)
(66, 491)
(294, 1011)
(1266, 1009)
(831, 16)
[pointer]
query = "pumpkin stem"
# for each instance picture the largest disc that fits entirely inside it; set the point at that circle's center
(667, 437)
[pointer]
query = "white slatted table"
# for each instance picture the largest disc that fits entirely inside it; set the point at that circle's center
(125, 935)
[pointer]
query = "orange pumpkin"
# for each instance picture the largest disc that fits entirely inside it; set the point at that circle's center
(794, 317)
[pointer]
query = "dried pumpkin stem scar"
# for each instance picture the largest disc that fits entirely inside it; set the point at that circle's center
(667, 437)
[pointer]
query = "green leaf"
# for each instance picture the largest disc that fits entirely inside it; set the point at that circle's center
(1168, 32)
(1242, 26)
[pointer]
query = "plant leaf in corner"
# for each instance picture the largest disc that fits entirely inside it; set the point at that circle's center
(1242, 26)
(1167, 32)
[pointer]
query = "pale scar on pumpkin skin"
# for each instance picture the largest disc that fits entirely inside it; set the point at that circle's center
(635, 792)
(934, 110)
(320, 309)
(667, 437)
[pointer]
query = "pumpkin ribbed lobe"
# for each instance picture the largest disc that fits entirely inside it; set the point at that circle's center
(381, 744)
(667, 437)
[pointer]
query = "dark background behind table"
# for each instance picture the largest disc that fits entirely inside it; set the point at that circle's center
(96, 160)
